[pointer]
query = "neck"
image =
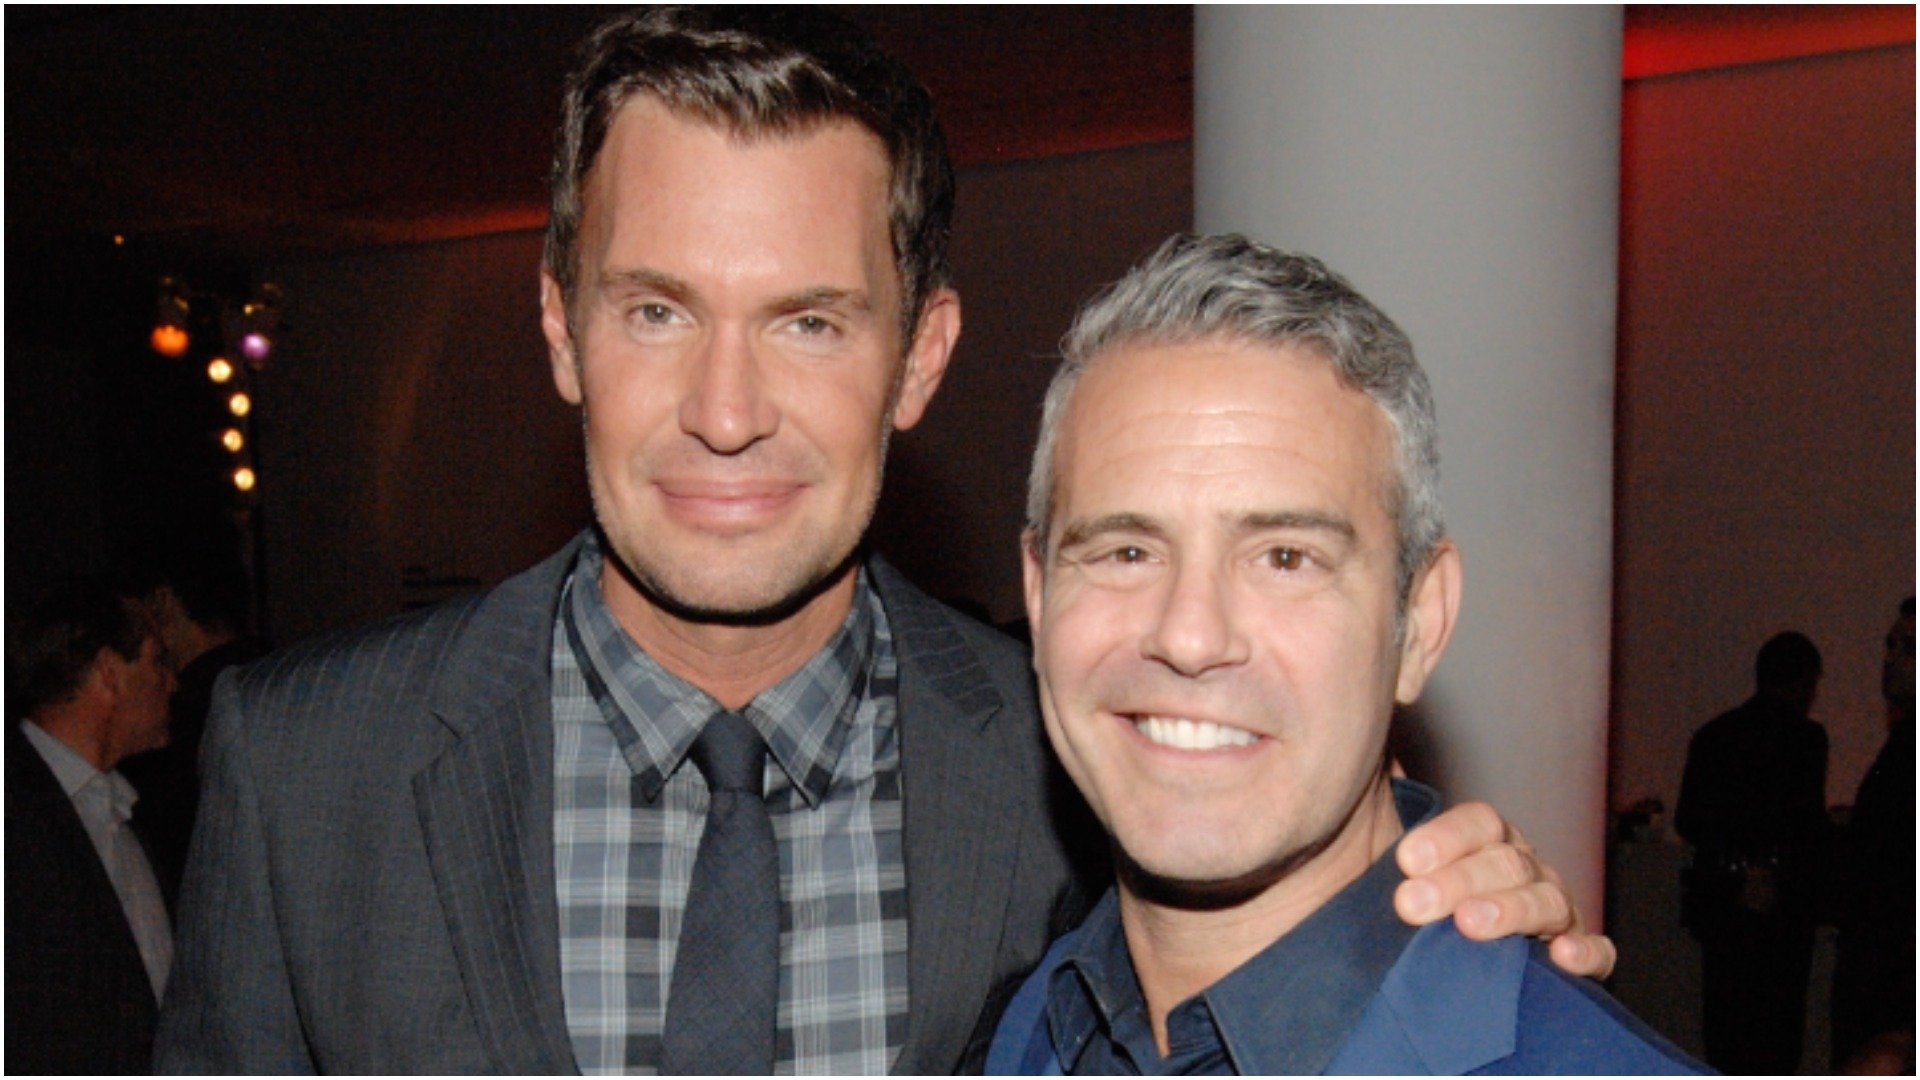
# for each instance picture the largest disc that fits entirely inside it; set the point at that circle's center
(80, 730)
(1179, 951)
(731, 662)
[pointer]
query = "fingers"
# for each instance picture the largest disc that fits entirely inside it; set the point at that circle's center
(1459, 831)
(1592, 955)
(1498, 890)
(1470, 863)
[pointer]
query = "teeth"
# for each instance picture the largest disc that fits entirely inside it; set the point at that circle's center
(1191, 734)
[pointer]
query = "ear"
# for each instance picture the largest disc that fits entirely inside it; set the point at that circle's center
(107, 675)
(1432, 606)
(933, 341)
(553, 324)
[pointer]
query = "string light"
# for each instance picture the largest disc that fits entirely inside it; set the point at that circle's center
(169, 340)
(243, 478)
(233, 440)
(170, 313)
(256, 345)
(240, 404)
(219, 370)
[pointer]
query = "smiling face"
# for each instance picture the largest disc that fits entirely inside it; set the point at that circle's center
(734, 342)
(1214, 619)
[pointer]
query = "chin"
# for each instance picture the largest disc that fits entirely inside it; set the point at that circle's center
(768, 596)
(1210, 866)
(1202, 884)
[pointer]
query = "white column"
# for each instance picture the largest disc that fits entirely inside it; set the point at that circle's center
(1461, 167)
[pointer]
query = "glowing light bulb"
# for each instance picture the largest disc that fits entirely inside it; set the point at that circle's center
(219, 370)
(169, 340)
(233, 440)
(256, 346)
(243, 478)
(240, 404)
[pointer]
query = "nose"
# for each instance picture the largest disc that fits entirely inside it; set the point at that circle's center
(726, 405)
(1195, 630)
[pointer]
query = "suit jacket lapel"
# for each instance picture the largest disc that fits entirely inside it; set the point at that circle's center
(486, 812)
(960, 853)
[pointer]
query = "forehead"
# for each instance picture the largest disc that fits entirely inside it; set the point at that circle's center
(667, 178)
(1222, 424)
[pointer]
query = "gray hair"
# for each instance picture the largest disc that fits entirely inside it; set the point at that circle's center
(1194, 288)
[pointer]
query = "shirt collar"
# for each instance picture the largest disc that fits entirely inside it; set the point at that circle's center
(1286, 1011)
(77, 776)
(806, 718)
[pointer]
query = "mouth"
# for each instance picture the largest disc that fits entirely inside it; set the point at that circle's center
(725, 506)
(1182, 733)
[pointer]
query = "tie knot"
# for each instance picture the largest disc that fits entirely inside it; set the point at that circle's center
(731, 754)
(111, 793)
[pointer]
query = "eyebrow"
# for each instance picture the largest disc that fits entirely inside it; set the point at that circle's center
(640, 278)
(824, 296)
(1297, 519)
(1079, 532)
(650, 280)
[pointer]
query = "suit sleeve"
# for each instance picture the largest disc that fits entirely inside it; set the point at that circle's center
(229, 1005)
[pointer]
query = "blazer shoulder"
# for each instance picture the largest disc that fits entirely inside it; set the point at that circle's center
(389, 654)
(1451, 1005)
(471, 649)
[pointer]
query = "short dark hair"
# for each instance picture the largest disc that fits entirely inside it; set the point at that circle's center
(1787, 660)
(759, 71)
(58, 639)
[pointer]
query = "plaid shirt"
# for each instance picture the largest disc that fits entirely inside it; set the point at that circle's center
(628, 819)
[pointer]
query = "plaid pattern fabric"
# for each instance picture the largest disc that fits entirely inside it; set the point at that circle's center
(628, 819)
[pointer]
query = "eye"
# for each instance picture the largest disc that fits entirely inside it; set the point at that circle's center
(1130, 554)
(812, 324)
(654, 314)
(1287, 558)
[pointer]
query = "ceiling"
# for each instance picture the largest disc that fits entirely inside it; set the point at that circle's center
(240, 135)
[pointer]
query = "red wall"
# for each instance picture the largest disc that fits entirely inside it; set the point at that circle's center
(1765, 455)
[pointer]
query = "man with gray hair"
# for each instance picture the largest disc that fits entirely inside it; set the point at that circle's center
(1236, 569)
(712, 789)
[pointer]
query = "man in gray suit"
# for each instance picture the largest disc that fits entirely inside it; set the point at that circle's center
(464, 842)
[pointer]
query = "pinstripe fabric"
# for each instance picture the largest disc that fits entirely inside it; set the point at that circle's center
(372, 887)
(628, 820)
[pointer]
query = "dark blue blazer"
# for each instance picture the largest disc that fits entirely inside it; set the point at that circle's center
(1448, 1006)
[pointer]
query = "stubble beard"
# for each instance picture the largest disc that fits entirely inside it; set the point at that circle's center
(793, 591)
(1222, 893)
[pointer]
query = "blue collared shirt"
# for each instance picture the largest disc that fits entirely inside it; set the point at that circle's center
(1286, 1011)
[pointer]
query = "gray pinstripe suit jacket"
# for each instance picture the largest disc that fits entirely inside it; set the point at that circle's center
(371, 887)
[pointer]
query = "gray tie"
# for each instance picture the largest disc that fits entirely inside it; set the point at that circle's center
(723, 1003)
